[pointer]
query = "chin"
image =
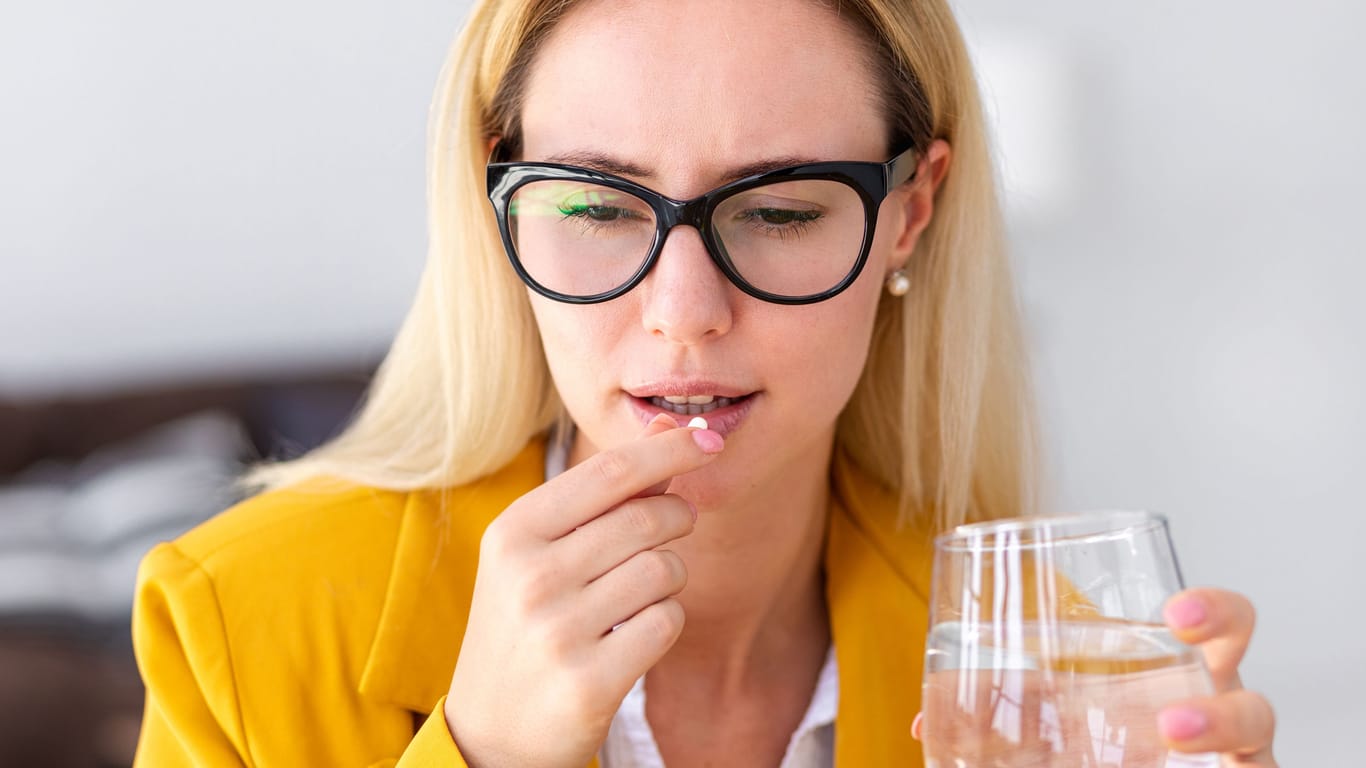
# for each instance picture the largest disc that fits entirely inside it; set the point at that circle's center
(715, 486)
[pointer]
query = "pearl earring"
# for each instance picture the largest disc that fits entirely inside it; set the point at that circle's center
(898, 284)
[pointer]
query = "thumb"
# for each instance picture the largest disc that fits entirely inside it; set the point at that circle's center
(661, 423)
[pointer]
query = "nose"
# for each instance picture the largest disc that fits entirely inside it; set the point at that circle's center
(686, 299)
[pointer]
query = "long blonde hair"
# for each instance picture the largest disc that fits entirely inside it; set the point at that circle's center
(941, 414)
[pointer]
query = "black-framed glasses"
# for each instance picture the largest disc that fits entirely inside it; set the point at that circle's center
(795, 235)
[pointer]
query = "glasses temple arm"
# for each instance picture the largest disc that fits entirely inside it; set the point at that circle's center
(901, 168)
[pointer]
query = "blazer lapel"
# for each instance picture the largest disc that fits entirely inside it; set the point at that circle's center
(427, 601)
(877, 579)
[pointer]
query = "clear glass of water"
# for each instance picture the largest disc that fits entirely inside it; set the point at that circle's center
(1047, 647)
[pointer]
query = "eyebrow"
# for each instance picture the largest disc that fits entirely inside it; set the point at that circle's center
(599, 161)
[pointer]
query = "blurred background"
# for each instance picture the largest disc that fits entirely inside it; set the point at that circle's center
(212, 222)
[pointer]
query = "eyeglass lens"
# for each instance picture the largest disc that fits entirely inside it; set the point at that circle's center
(790, 238)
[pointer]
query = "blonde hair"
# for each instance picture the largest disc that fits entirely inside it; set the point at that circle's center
(941, 414)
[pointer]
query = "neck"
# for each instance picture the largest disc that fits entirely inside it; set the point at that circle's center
(755, 600)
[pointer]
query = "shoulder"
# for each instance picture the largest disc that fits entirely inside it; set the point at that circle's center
(868, 524)
(327, 552)
(312, 561)
(312, 620)
(281, 592)
(318, 525)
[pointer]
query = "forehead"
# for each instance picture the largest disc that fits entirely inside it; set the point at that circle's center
(686, 86)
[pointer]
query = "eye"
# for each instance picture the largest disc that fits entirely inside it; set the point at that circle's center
(602, 213)
(599, 214)
(780, 216)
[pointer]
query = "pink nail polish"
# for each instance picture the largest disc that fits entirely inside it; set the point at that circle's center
(708, 441)
(1182, 724)
(1185, 613)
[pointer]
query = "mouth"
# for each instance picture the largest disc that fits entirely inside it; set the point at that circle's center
(724, 413)
(693, 405)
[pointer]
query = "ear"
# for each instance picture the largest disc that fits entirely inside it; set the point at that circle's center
(915, 201)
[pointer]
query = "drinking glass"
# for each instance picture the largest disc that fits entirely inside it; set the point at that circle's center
(1047, 647)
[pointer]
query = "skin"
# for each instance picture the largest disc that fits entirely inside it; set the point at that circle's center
(647, 508)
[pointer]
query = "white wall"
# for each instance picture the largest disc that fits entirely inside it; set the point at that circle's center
(1192, 280)
(190, 188)
(198, 188)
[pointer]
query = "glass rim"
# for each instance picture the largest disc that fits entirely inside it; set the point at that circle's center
(1086, 527)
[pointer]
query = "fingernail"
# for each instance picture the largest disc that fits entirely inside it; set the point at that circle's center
(915, 725)
(1181, 723)
(707, 440)
(1185, 613)
(693, 508)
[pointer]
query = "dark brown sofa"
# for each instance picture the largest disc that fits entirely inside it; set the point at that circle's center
(69, 689)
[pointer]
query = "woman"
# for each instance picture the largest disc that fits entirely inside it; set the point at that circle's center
(742, 592)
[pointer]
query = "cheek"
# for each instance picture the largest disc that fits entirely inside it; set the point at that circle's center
(845, 329)
(575, 342)
(824, 349)
(566, 342)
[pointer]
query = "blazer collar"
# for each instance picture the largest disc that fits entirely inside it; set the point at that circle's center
(877, 577)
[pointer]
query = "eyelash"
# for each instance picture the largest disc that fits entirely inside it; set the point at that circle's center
(802, 221)
(580, 213)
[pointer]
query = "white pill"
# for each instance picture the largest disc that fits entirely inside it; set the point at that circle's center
(698, 422)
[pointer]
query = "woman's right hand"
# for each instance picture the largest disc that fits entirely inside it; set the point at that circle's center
(573, 602)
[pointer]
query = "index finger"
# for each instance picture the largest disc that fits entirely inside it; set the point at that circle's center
(612, 476)
(1220, 622)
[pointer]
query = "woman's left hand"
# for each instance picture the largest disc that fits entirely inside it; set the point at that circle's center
(1234, 722)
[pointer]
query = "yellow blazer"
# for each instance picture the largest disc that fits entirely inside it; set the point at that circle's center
(319, 625)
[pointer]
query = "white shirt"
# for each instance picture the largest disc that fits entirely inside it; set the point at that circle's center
(630, 742)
